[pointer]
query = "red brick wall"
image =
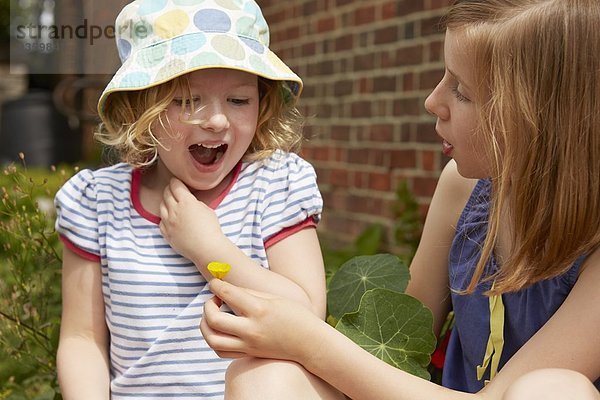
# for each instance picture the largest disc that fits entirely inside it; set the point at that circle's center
(367, 67)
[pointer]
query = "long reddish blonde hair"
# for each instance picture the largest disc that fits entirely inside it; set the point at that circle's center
(538, 69)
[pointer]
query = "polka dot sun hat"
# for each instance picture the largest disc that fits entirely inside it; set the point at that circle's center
(159, 40)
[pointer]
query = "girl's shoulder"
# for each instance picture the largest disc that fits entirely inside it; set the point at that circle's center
(89, 182)
(111, 173)
(280, 158)
(88, 176)
(590, 261)
(280, 179)
(455, 193)
(277, 166)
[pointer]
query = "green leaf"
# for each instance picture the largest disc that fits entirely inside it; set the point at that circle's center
(363, 273)
(395, 328)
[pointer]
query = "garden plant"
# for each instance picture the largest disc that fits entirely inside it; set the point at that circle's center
(30, 267)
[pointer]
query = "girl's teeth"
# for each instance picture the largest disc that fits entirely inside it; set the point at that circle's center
(206, 146)
(207, 154)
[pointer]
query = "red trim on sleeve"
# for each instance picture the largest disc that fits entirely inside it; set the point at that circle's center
(290, 230)
(80, 252)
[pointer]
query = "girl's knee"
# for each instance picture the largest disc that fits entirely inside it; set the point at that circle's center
(254, 378)
(552, 384)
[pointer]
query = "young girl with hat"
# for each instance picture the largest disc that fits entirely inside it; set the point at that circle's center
(511, 240)
(201, 114)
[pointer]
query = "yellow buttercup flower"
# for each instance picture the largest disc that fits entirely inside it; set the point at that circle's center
(218, 269)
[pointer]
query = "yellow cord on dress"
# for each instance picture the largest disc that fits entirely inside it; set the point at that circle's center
(495, 343)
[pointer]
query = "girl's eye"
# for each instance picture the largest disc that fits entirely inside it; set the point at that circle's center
(459, 96)
(239, 102)
(180, 101)
(187, 106)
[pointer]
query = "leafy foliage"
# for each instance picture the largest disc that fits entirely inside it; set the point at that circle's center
(407, 221)
(363, 273)
(394, 327)
(29, 284)
(366, 300)
(366, 295)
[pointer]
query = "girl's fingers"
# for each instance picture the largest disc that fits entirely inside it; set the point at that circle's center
(237, 298)
(164, 211)
(220, 322)
(227, 354)
(178, 189)
(168, 198)
(172, 195)
(214, 327)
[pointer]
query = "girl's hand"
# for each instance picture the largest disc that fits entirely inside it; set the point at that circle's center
(265, 326)
(190, 226)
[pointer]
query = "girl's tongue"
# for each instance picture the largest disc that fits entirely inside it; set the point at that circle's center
(207, 155)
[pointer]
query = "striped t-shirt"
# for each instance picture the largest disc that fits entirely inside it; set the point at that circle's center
(153, 297)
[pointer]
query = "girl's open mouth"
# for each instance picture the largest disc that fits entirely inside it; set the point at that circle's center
(447, 148)
(206, 154)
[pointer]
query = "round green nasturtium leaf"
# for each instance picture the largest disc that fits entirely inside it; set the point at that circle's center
(395, 327)
(363, 273)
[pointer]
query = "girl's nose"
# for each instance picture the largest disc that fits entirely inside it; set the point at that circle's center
(435, 104)
(214, 119)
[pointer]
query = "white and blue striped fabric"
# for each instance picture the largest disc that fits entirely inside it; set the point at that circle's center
(153, 297)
